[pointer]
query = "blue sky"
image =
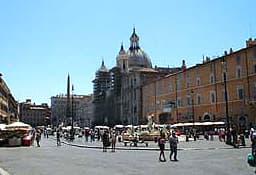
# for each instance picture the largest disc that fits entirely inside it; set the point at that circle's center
(42, 41)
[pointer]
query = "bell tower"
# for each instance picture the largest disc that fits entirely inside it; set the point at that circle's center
(122, 60)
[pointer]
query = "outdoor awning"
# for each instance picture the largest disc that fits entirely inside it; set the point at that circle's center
(18, 126)
(197, 124)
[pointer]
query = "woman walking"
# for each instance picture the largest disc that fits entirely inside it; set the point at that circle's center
(161, 144)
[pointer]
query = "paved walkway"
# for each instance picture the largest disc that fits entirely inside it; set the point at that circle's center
(200, 144)
(214, 158)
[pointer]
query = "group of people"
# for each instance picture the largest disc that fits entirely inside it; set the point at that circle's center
(173, 141)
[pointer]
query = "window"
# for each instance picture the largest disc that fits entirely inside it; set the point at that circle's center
(187, 80)
(211, 78)
(212, 97)
(178, 82)
(179, 102)
(223, 95)
(188, 100)
(238, 72)
(163, 87)
(255, 68)
(212, 67)
(188, 84)
(123, 66)
(254, 53)
(238, 60)
(170, 86)
(240, 93)
(199, 99)
(135, 109)
(198, 82)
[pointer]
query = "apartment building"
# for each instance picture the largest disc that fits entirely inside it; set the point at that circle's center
(198, 93)
(8, 105)
(35, 115)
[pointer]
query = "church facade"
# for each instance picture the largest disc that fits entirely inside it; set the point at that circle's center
(120, 101)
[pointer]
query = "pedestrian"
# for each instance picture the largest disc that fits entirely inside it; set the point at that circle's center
(234, 136)
(161, 144)
(173, 140)
(220, 135)
(38, 137)
(92, 133)
(47, 134)
(58, 138)
(86, 133)
(105, 141)
(251, 159)
(253, 140)
(242, 139)
(113, 142)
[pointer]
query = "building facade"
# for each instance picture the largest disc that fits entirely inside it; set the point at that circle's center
(198, 93)
(121, 100)
(101, 88)
(81, 110)
(8, 105)
(35, 115)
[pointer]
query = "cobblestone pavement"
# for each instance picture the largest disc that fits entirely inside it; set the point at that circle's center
(200, 144)
(66, 159)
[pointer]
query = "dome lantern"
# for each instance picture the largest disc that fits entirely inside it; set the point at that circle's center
(134, 41)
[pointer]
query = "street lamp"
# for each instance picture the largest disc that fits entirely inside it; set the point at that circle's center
(224, 67)
(72, 114)
(193, 107)
(193, 114)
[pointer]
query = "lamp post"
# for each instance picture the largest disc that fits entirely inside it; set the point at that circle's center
(224, 67)
(193, 114)
(193, 108)
(72, 114)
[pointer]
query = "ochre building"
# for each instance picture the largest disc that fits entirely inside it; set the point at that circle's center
(198, 93)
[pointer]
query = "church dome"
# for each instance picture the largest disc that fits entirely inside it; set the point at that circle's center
(136, 56)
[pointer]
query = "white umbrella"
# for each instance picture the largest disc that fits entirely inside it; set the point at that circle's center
(2, 126)
(17, 126)
(218, 123)
(207, 123)
(118, 126)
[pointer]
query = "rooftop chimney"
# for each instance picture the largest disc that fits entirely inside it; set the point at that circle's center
(250, 42)
(183, 64)
(230, 50)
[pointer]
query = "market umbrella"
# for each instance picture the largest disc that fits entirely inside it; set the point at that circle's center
(2, 126)
(18, 126)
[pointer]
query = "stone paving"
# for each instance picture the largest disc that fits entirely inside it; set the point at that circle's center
(196, 158)
(200, 144)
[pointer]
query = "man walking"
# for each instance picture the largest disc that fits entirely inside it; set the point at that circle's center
(38, 137)
(58, 138)
(105, 141)
(173, 140)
